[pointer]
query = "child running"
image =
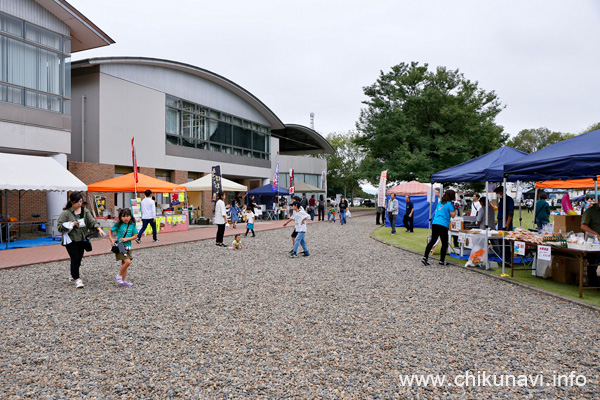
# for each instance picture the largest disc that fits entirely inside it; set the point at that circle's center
(300, 217)
(237, 242)
(331, 216)
(250, 221)
(126, 232)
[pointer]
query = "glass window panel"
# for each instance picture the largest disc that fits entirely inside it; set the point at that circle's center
(226, 149)
(256, 154)
(67, 46)
(312, 179)
(258, 141)
(225, 117)
(173, 102)
(172, 139)
(43, 37)
(242, 137)
(236, 121)
(11, 25)
(67, 107)
(220, 132)
(202, 145)
(188, 106)
(238, 152)
(247, 153)
(67, 77)
(214, 147)
(172, 121)
(215, 114)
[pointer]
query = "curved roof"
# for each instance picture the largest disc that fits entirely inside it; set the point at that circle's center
(294, 139)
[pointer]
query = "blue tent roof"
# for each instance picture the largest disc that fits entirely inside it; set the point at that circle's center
(578, 157)
(266, 190)
(486, 168)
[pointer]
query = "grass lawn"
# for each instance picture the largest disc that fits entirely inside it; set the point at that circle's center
(417, 242)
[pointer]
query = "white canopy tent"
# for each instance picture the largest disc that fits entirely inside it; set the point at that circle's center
(21, 172)
(205, 184)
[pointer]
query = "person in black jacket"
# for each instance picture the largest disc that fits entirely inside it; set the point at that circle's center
(409, 215)
(343, 206)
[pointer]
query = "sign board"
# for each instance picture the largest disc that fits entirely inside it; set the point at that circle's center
(381, 189)
(544, 253)
(100, 203)
(456, 224)
(462, 238)
(136, 212)
(520, 248)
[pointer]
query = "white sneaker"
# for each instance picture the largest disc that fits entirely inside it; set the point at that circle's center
(78, 283)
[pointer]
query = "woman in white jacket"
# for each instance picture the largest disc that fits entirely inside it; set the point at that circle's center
(220, 218)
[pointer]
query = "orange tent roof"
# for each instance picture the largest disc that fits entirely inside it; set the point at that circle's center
(569, 184)
(412, 188)
(126, 184)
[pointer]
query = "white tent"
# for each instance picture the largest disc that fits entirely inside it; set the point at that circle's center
(205, 184)
(20, 172)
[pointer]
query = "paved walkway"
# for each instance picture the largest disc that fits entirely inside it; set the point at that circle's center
(44, 254)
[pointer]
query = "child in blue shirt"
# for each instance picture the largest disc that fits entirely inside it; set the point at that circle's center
(125, 231)
(439, 226)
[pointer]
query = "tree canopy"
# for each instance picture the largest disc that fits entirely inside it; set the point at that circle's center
(530, 140)
(343, 166)
(417, 122)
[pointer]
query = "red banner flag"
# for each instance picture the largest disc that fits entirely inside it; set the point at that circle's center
(134, 159)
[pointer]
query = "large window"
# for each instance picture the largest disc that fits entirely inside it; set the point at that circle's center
(193, 125)
(34, 66)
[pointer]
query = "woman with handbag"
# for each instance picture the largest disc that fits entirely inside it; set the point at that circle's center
(74, 223)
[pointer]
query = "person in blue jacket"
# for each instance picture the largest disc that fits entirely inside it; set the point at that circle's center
(440, 224)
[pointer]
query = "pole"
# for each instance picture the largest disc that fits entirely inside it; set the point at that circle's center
(430, 204)
(6, 217)
(534, 206)
(520, 201)
(487, 228)
(503, 225)
(596, 188)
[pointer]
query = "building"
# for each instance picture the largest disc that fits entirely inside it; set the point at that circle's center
(185, 120)
(37, 39)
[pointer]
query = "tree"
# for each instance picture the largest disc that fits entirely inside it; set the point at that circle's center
(590, 128)
(418, 122)
(343, 166)
(531, 140)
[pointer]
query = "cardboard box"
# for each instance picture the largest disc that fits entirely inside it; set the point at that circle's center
(567, 223)
(566, 270)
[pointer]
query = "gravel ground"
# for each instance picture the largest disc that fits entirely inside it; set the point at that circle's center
(347, 322)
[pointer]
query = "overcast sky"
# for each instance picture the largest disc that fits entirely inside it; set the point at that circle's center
(541, 57)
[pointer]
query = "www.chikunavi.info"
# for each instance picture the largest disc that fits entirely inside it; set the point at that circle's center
(484, 379)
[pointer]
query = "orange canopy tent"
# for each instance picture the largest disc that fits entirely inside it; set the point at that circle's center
(412, 188)
(126, 184)
(569, 184)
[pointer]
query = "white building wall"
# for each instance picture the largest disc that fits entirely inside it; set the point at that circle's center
(34, 138)
(186, 86)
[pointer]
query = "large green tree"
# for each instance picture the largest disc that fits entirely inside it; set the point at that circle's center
(343, 166)
(530, 140)
(419, 121)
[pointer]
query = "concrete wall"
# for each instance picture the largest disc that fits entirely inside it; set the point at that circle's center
(301, 164)
(88, 86)
(34, 139)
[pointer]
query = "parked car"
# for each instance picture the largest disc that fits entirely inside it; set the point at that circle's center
(368, 203)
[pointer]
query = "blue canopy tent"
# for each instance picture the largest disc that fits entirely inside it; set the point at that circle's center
(578, 157)
(267, 195)
(486, 168)
(420, 215)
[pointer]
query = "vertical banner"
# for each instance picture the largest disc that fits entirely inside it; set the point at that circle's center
(134, 159)
(275, 185)
(381, 191)
(324, 180)
(291, 181)
(216, 181)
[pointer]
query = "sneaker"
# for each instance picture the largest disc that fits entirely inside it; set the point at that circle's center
(292, 251)
(425, 261)
(119, 279)
(78, 283)
(305, 255)
(223, 245)
(443, 263)
(125, 284)
(393, 233)
(217, 244)
(156, 241)
(138, 241)
(253, 235)
(293, 255)
(71, 279)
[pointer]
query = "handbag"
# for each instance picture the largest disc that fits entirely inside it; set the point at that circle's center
(87, 245)
(119, 247)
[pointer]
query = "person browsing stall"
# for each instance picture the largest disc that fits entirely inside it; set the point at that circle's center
(510, 210)
(590, 223)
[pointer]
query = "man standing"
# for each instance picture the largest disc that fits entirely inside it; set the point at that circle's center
(392, 212)
(304, 201)
(148, 216)
(510, 210)
(590, 223)
(343, 207)
(408, 215)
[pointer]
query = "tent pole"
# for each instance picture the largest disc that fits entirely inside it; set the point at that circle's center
(487, 228)
(534, 205)
(430, 204)
(596, 187)
(520, 201)
(503, 225)
(6, 218)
